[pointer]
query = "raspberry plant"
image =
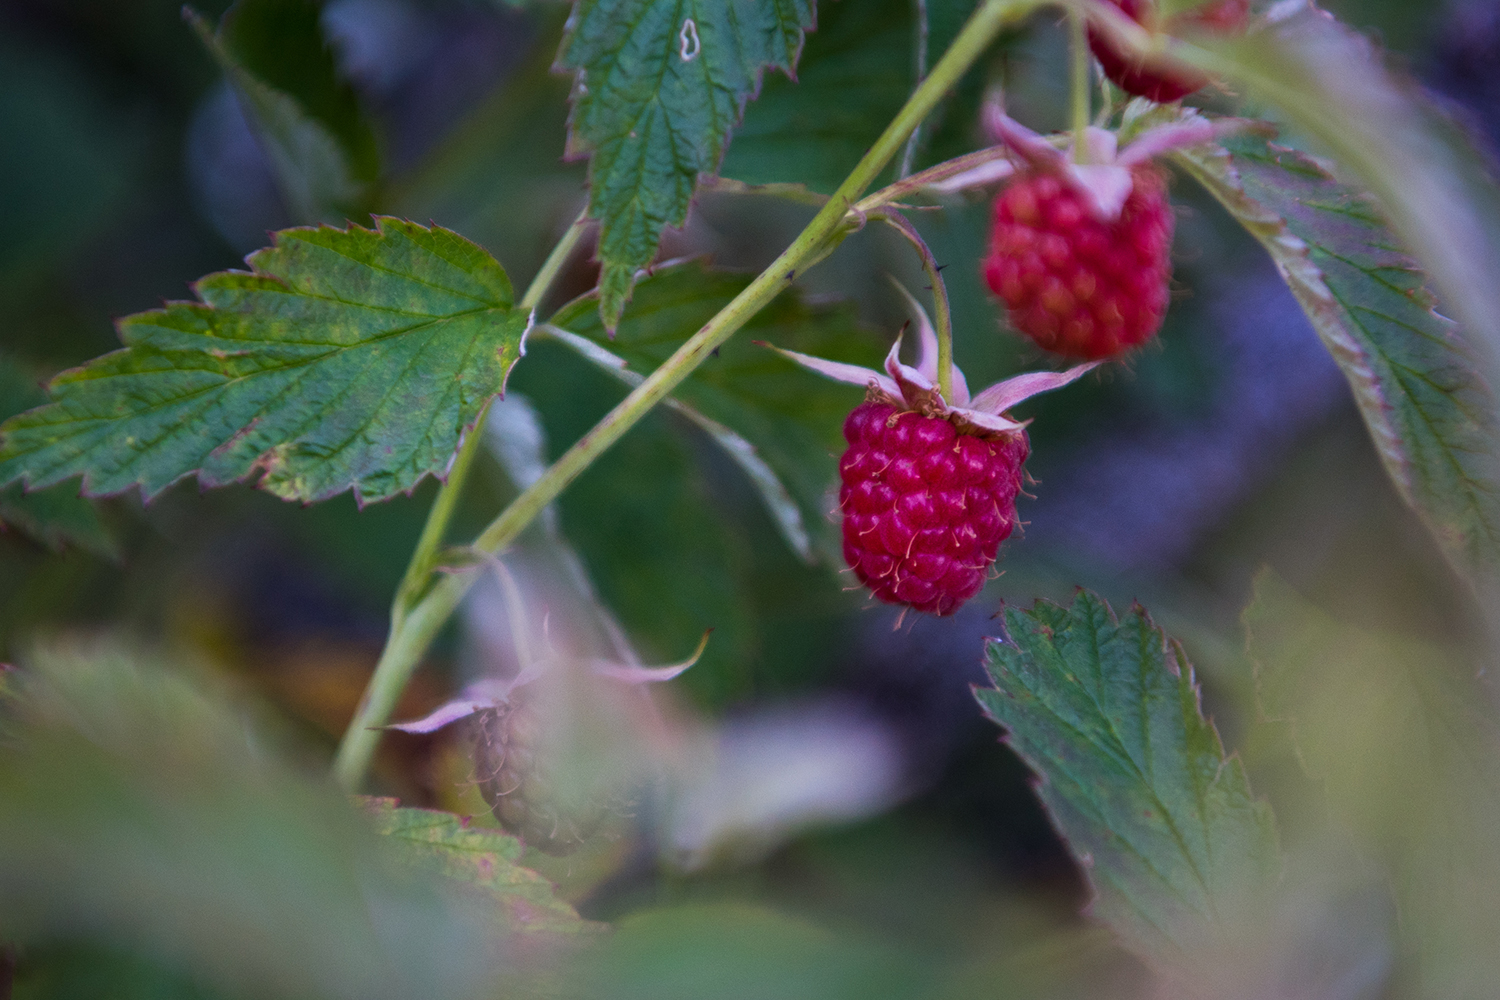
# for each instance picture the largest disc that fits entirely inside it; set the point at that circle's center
(363, 351)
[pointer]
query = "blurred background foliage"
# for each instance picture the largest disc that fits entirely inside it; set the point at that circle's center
(127, 169)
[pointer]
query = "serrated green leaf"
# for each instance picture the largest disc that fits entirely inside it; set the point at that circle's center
(1401, 738)
(308, 119)
(57, 516)
(659, 88)
(1417, 384)
(746, 397)
(479, 857)
(344, 359)
(1106, 711)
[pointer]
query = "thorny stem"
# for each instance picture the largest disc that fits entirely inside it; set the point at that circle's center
(1078, 43)
(942, 317)
(921, 65)
(413, 629)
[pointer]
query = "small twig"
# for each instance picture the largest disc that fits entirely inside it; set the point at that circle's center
(942, 316)
(926, 178)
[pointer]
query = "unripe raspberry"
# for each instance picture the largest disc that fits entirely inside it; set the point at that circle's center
(1160, 83)
(516, 780)
(925, 505)
(1076, 284)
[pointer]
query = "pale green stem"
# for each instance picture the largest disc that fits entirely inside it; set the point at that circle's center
(421, 564)
(354, 755)
(1078, 43)
(942, 316)
(415, 629)
(553, 265)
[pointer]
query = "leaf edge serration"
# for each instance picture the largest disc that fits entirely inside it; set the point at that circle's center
(473, 260)
(617, 279)
(1163, 946)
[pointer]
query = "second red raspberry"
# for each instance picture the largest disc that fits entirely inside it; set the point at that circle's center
(1077, 285)
(1165, 84)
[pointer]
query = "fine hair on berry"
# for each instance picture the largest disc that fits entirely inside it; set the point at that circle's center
(925, 504)
(1075, 284)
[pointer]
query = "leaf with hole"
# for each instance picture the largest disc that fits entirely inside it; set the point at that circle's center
(344, 359)
(659, 88)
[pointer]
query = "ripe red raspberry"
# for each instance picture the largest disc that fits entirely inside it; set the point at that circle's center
(1164, 84)
(926, 505)
(1076, 284)
(931, 473)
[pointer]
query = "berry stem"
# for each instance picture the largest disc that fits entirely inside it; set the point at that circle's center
(1078, 43)
(942, 316)
(414, 625)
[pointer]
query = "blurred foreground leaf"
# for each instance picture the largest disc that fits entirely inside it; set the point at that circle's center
(56, 516)
(76, 972)
(1106, 712)
(659, 88)
(345, 359)
(781, 425)
(308, 120)
(140, 814)
(1403, 739)
(740, 952)
(1416, 382)
(485, 858)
